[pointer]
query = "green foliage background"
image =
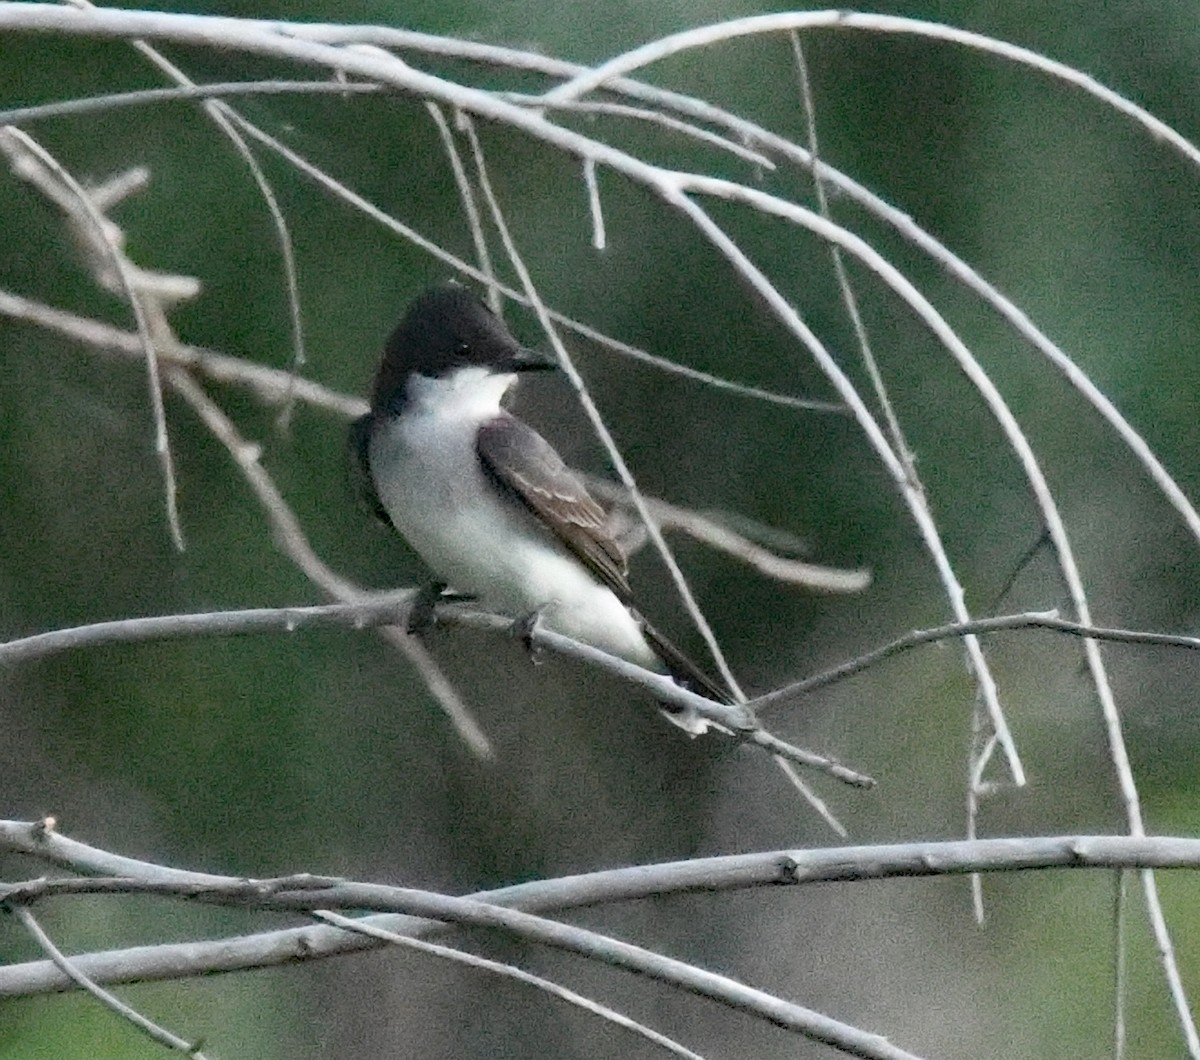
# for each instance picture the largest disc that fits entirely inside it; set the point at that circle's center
(322, 752)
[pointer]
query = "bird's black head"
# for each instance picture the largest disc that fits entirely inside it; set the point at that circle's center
(447, 328)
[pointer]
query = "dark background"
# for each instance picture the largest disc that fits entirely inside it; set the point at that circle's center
(323, 752)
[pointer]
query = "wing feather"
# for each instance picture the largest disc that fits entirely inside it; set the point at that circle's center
(526, 465)
(359, 469)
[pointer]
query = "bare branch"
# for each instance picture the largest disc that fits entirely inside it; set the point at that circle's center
(509, 971)
(711, 530)
(655, 117)
(269, 385)
(114, 270)
(851, 20)
(268, 38)
(305, 891)
(466, 195)
(108, 1000)
(722, 989)
(1025, 620)
(899, 443)
(389, 610)
(69, 108)
(222, 116)
(915, 502)
(733, 872)
(381, 610)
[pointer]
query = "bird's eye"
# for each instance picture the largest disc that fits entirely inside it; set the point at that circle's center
(463, 349)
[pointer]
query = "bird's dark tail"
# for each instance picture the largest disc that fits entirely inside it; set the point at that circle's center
(682, 669)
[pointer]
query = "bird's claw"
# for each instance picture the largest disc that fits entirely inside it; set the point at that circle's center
(422, 612)
(523, 629)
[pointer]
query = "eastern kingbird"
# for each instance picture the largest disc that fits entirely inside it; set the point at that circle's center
(484, 499)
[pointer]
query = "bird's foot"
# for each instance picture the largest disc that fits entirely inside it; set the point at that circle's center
(422, 612)
(686, 718)
(523, 629)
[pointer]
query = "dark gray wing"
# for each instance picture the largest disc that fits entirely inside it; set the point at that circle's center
(522, 462)
(359, 469)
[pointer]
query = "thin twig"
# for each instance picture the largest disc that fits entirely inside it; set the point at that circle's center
(365, 206)
(721, 32)
(1120, 961)
(810, 796)
(100, 234)
(979, 751)
(509, 971)
(114, 1004)
(84, 105)
(919, 512)
(899, 443)
(711, 530)
(1025, 620)
(655, 117)
(466, 195)
(595, 207)
(269, 385)
(222, 115)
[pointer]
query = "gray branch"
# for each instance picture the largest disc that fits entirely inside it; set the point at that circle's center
(396, 906)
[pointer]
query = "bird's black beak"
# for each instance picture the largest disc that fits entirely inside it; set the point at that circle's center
(527, 360)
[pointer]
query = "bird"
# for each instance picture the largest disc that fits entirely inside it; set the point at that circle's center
(486, 502)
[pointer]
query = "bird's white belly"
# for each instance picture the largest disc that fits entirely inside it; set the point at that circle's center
(481, 541)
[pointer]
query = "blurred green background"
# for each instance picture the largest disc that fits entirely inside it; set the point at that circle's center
(322, 752)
